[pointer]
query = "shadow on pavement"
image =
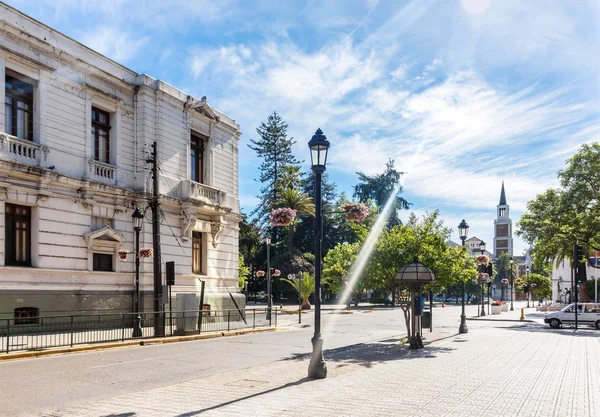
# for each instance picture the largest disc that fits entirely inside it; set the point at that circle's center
(368, 354)
(585, 331)
(121, 415)
(214, 407)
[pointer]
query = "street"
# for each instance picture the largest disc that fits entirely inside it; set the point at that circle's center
(361, 350)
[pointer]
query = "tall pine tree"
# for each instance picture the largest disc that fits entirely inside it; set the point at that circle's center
(275, 149)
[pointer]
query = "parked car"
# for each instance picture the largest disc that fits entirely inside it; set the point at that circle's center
(587, 314)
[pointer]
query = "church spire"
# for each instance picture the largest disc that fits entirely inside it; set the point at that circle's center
(502, 196)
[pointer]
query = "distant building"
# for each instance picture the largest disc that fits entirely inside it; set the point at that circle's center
(503, 230)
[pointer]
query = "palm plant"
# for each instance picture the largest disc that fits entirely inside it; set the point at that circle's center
(305, 286)
(296, 200)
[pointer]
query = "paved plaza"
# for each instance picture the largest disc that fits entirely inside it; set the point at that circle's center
(497, 369)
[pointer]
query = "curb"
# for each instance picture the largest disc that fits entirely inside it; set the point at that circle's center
(144, 342)
(509, 320)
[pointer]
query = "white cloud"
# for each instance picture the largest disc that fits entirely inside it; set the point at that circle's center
(110, 41)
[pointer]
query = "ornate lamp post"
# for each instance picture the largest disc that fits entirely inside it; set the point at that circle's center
(138, 219)
(269, 296)
(318, 145)
(512, 261)
(463, 231)
(415, 275)
(482, 281)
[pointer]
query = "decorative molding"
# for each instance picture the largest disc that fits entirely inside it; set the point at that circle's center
(216, 230)
(93, 237)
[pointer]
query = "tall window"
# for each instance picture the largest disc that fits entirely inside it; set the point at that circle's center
(18, 106)
(18, 235)
(197, 157)
(103, 262)
(101, 135)
(197, 252)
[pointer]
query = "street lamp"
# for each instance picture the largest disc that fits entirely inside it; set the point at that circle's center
(482, 249)
(138, 219)
(269, 299)
(527, 276)
(512, 261)
(463, 231)
(318, 145)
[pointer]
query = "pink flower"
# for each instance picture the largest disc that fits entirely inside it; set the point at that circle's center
(284, 216)
(483, 260)
(260, 273)
(276, 273)
(356, 212)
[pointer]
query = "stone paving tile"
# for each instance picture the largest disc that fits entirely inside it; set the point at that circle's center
(511, 371)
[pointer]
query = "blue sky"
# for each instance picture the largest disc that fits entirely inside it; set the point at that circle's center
(462, 94)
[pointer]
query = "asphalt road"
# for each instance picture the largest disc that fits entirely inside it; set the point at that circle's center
(40, 385)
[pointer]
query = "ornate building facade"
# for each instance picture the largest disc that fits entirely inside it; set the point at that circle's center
(76, 131)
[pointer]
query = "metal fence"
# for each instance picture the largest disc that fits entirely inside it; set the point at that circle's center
(35, 333)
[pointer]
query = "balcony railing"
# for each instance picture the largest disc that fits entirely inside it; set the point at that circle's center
(23, 151)
(201, 192)
(99, 171)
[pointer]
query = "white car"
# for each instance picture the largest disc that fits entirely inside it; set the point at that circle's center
(587, 314)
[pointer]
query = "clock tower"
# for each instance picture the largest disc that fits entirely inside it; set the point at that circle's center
(503, 240)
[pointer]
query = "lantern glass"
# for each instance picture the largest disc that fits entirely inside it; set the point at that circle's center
(512, 261)
(268, 239)
(138, 218)
(463, 229)
(482, 246)
(318, 145)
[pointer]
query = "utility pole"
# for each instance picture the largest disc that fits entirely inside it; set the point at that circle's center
(159, 325)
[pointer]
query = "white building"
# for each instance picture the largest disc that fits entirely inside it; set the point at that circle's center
(75, 133)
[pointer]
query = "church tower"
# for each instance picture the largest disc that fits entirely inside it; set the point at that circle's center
(503, 240)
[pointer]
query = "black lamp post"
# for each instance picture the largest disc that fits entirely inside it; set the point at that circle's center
(138, 219)
(527, 276)
(318, 145)
(463, 231)
(269, 296)
(512, 261)
(482, 249)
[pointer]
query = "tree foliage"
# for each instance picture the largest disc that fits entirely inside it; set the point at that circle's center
(274, 148)
(378, 188)
(559, 218)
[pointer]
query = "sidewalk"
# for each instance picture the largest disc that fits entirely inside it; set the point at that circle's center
(510, 371)
(531, 315)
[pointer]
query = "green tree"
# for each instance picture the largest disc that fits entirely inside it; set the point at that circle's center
(243, 272)
(275, 149)
(305, 287)
(558, 219)
(425, 240)
(379, 188)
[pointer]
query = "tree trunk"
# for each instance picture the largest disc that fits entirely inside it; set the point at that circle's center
(306, 304)
(406, 311)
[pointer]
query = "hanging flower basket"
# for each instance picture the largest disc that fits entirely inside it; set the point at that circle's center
(524, 286)
(276, 273)
(518, 280)
(260, 273)
(356, 212)
(504, 281)
(146, 253)
(483, 260)
(123, 254)
(284, 216)
(483, 276)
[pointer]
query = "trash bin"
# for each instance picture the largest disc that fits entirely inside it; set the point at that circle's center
(426, 319)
